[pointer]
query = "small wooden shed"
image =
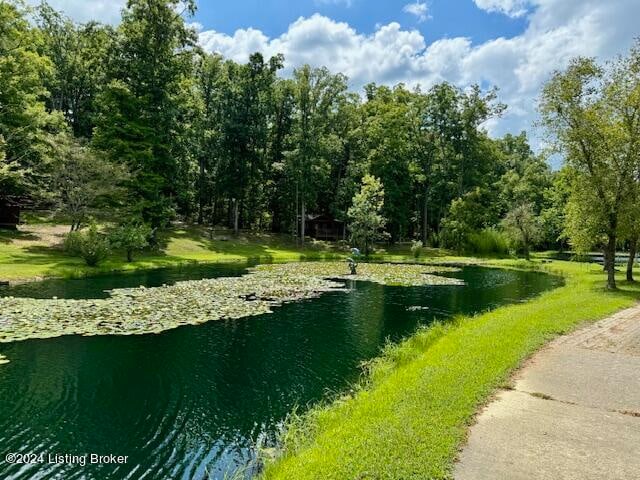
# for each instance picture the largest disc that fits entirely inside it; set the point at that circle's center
(9, 215)
(325, 227)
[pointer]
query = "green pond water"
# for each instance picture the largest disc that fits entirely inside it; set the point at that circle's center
(194, 402)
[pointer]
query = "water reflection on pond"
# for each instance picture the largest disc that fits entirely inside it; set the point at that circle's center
(194, 401)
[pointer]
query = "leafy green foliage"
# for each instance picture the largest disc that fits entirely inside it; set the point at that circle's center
(367, 222)
(79, 55)
(225, 143)
(591, 111)
(489, 241)
(130, 237)
(522, 227)
(142, 107)
(467, 215)
(313, 142)
(27, 130)
(89, 244)
(82, 180)
(416, 248)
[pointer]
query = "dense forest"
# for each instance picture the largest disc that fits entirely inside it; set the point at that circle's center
(137, 124)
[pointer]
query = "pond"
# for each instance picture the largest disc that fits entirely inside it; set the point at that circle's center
(193, 402)
(98, 286)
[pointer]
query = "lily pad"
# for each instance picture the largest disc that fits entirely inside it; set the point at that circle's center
(141, 310)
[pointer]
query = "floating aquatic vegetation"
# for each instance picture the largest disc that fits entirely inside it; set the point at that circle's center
(416, 308)
(152, 310)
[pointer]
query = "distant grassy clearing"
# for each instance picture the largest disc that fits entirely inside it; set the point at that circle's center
(35, 252)
(411, 415)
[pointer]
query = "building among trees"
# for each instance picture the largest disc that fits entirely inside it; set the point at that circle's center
(325, 227)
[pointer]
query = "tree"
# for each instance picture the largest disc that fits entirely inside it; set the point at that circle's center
(630, 228)
(316, 94)
(130, 237)
(79, 54)
(593, 115)
(246, 111)
(466, 215)
(527, 178)
(82, 180)
(365, 215)
(209, 76)
(141, 110)
(27, 131)
(90, 245)
(522, 227)
(462, 157)
(553, 214)
(387, 134)
(584, 212)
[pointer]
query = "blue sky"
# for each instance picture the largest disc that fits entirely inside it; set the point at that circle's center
(515, 45)
(449, 18)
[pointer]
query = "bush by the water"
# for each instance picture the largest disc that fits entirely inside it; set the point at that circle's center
(487, 242)
(131, 237)
(89, 244)
(416, 248)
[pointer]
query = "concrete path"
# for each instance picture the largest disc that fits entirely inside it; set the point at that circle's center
(574, 413)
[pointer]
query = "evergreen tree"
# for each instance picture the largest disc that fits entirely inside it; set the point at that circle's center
(365, 215)
(141, 107)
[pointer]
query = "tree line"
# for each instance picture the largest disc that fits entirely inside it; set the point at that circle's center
(138, 122)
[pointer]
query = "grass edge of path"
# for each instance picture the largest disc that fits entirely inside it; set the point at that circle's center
(410, 414)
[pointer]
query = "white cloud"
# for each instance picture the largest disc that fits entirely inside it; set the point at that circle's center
(557, 31)
(107, 11)
(512, 8)
(418, 9)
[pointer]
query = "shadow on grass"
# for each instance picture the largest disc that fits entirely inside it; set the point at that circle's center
(8, 236)
(249, 246)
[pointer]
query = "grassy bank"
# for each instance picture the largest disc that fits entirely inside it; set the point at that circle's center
(35, 252)
(411, 415)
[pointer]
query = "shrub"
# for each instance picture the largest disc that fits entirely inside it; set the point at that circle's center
(89, 244)
(416, 248)
(487, 242)
(131, 237)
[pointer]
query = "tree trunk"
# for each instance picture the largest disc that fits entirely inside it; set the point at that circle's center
(302, 221)
(610, 262)
(201, 199)
(236, 215)
(633, 245)
(297, 222)
(425, 219)
(129, 256)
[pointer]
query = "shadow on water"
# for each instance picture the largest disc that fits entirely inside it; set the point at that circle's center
(193, 402)
(98, 286)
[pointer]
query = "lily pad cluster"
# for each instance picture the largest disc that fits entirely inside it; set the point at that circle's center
(152, 310)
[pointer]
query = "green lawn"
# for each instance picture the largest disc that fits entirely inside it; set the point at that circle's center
(35, 252)
(411, 414)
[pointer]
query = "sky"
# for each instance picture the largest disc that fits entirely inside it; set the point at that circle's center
(514, 45)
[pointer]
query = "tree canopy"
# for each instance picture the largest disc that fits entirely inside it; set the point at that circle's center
(184, 134)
